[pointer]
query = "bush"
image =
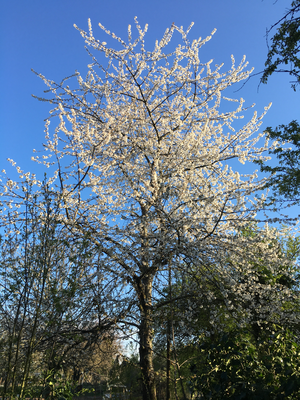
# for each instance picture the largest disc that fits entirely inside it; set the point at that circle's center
(235, 367)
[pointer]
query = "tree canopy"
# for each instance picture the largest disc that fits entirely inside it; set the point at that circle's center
(146, 160)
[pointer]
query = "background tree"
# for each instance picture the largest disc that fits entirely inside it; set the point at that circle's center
(284, 56)
(210, 329)
(53, 299)
(284, 50)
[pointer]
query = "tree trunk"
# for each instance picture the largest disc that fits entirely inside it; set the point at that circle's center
(146, 338)
(168, 394)
(170, 319)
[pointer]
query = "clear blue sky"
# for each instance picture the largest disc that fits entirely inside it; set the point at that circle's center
(39, 34)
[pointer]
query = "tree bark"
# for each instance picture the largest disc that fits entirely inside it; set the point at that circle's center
(146, 338)
(168, 394)
(170, 319)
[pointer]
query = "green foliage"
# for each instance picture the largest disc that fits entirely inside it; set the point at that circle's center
(285, 178)
(285, 46)
(229, 362)
(285, 52)
(57, 387)
(234, 366)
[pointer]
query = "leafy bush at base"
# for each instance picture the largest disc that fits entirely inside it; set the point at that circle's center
(235, 367)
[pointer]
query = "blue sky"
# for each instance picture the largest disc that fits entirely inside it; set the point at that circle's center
(39, 34)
